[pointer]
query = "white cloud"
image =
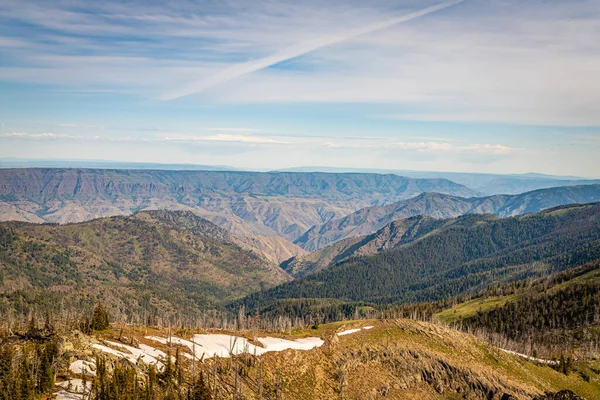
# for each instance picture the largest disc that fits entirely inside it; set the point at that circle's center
(41, 136)
(238, 70)
(234, 129)
(424, 147)
(291, 142)
(532, 62)
(224, 138)
(490, 149)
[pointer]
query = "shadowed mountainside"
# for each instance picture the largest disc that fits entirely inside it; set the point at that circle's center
(436, 205)
(425, 260)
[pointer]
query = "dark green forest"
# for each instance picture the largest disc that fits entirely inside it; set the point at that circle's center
(465, 255)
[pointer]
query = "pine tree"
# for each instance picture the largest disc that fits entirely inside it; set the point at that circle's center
(199, 390)
(45, 378)
(25, 383)
(100, 318)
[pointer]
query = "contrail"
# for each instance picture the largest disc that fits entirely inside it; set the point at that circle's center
(298, 50)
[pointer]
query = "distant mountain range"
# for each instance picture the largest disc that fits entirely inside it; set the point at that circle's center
(422, 259)
(483, 184)
(267, 204)
(368, 220)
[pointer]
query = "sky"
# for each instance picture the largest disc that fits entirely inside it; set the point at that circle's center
(500, 86)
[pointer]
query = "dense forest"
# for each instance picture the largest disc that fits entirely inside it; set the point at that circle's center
(558, 312)
(465, 255)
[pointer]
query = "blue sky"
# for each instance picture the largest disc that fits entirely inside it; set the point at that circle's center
(477, 85)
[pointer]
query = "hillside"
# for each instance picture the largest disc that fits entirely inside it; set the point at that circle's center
(436, 205)
(268, 204)
(561, 311)
(460, 256)
(156, 262)
(390, 236)
(397, 359)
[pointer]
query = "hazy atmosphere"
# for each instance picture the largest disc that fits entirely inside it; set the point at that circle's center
(299, 200)
(477, 85)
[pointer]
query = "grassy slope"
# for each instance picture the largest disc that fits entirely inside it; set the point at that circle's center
(414, 360)
(409, 360)
(471, 307)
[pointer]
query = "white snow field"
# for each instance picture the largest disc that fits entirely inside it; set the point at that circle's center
(350, 331)
(530, 358)
(276, 344)
(73, 389)
(64, 395)
(75, 385)
(146, 354)
(210, 345)
(83, 367)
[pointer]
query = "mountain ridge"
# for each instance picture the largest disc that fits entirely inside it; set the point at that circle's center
(454, 257)
(437, 205)
(267, 204)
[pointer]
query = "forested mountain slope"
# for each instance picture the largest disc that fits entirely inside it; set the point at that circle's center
(390, 236)
(436, 205)
(460, 256)
(282, 204)
(156, 261)
(554, 312)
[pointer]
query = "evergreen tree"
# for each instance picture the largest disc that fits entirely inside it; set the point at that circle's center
(199, 390)
(100, 318)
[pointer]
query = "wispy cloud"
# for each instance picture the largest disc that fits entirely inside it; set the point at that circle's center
(224, 138)
(289, 142)
(531, 62)
(298, 50)
(44, 136)
(496, 149)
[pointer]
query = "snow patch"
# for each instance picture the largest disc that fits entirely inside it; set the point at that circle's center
(223, 345)
(64, 395)
(348, 332)
(145, 353)
(76, 386)
(276, 344)
(82, 367)
(205, 346)
(530, 358)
